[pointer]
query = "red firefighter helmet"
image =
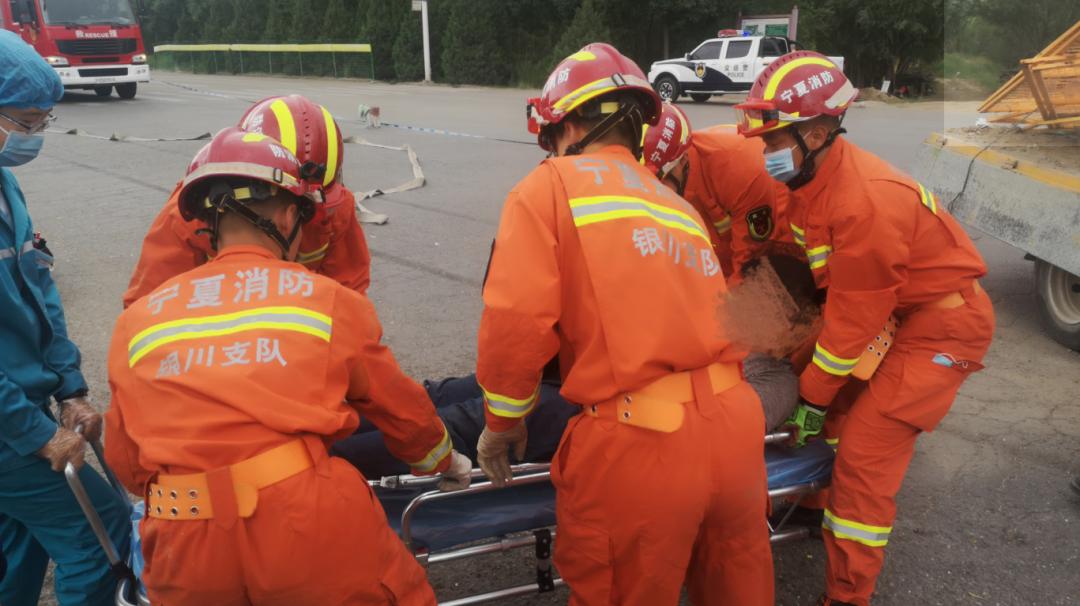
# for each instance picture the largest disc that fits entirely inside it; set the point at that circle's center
(663, 145)
(796, 87)
(303, 127)
(595, 70)
(249, 166)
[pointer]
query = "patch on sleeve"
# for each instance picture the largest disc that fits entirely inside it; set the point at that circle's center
(760, 223)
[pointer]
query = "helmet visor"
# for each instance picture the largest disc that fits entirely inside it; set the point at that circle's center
(756, 117)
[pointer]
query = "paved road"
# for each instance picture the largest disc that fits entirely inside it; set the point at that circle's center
(985, 516)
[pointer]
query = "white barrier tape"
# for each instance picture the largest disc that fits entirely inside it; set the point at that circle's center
(364, 215)
(78, 132)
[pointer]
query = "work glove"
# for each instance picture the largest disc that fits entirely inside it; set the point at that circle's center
(64, 447)
(78, 411)
(805, 422)
(492, 452)
(458, 475)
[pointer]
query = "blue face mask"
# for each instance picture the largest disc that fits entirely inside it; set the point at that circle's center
(20, 148)
(780, 165)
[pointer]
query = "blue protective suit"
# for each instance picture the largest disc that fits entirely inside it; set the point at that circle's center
(39, 517)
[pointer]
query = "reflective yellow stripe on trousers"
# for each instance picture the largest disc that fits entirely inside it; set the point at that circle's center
(871, 536)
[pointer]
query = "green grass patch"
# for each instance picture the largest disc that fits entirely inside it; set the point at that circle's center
(984, 72)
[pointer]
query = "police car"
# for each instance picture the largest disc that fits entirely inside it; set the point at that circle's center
(727, 64)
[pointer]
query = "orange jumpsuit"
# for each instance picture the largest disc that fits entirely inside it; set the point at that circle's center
(332, 245)
(743, 206)
(598, 263)
(234, 358)
(882, 243)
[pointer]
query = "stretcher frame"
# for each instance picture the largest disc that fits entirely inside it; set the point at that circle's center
(541, 538)
(127, 593)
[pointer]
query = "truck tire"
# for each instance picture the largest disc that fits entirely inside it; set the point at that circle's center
(103, 91)
(1058, 292)
(700, 97)
(668, 88)
(127, 90)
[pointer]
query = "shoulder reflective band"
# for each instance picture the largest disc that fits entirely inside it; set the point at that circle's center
(432, 459)
(927, 198)
(800, 235)
(316, 255)
(723, 225)
(832, 364)
(595, 209)
(818, 256)
(296, 319)
(872, 536)
(510, 408)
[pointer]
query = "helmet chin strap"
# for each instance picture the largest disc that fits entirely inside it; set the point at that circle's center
(228, 202)
(807, 170)
(626, 111)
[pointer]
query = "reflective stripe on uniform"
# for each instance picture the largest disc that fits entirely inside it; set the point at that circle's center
(286, 125)
(833, 364)
(296, 319)
(511, 408)
(332, 151)
(7, 253)
(833, 443)
(927, 198)
(800, 235)
(595, 209)
(723, 225)
(818, 256)
(315, 255)
(432, 459)
(871, 536)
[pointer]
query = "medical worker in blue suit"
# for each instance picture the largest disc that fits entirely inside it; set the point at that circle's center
(39, 518)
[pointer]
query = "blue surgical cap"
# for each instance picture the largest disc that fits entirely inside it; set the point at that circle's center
(26, 80)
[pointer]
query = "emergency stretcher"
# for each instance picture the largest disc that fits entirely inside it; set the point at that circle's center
(440, 527)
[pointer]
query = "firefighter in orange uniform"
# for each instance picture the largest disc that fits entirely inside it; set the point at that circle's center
(229, 382)
(661, 479)
(882, 244)
(331, 243)
(723, 175)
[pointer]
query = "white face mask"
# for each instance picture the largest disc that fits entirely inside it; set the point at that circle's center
(780, 164)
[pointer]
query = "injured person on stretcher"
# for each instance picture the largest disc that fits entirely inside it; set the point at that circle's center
(771, 313)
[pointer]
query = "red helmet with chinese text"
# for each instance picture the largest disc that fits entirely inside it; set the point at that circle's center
(306, 129)
(664, 145)
(238, 168)
(593, 82)
(796, 87)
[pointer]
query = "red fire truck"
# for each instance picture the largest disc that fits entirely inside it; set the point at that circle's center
(92, 44)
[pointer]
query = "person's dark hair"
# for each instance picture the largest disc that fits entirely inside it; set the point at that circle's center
(794, 274)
